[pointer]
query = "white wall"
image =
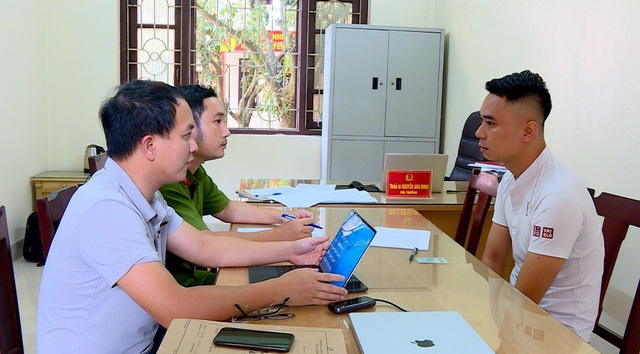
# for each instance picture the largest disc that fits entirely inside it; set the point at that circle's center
(408, 13)
(587, 52)
(23, 98)
(83, 66)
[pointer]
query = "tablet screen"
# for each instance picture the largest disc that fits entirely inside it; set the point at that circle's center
(347, 247)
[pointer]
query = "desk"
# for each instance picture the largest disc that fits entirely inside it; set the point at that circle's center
(443, 209)
(501, 315)
(48, 182)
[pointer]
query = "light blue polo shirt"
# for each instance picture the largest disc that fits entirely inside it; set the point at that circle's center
(107, 228)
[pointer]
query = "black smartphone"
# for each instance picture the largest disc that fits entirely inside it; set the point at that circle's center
(355, 304)
(247, 338)
(354, 285)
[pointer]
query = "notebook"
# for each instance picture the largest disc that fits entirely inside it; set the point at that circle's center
(342, 256)
(416, 332)
(437, 163)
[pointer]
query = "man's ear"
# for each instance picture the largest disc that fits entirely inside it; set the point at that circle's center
(530, 131)
(147, 144)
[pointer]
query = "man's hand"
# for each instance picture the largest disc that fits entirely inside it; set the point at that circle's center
(308, 286)
(300, 214)
(308, 250)
(294, 230)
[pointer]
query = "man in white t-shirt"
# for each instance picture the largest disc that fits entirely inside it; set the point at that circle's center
(543, 211)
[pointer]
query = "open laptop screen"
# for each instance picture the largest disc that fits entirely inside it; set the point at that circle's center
(348, 247)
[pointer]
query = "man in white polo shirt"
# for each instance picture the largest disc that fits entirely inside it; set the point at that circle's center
(543, 211)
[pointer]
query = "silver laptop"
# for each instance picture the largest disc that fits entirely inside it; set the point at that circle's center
(416, 332)
(437, 163)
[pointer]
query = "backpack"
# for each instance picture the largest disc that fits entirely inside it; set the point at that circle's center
(32, 250)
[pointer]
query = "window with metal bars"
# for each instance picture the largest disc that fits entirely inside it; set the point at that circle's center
(263, 57)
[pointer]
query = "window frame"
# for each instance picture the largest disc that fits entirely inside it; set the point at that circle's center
(184, 24)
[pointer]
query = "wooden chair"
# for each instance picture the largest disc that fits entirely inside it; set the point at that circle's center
(97, 162)
(50, 211)
(485, 185)
(619, 213)
(10, 329)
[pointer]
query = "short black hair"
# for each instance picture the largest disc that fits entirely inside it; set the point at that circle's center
(137, 109)
(195, 96)
(523, 85)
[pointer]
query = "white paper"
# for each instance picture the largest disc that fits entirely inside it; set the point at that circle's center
(314, 233)
(253, 229)
(309, 197)
(316, 187)
(401, 238)
(268, 192)
(487, 166)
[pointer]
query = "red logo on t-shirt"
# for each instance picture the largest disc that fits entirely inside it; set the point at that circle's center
(536, 231)
(547, 232)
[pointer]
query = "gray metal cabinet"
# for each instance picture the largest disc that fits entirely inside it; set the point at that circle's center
(382, 93)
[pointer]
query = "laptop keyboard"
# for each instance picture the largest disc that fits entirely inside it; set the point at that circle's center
(284, 269)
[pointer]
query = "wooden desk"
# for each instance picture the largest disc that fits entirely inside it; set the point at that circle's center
(443, 209)
(48, 182)
(507, 320)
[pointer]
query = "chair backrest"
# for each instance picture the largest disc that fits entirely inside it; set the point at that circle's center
(10, 329)
(50, 211)
(485, 185)
(97, 162)
(468, 150)
(619, 213)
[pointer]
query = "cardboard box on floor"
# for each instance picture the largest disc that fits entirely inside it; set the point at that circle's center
(196, 336)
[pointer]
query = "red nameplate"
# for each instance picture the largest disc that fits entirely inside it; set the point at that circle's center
(412, 184)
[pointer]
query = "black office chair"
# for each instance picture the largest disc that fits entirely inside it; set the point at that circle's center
(468, 151)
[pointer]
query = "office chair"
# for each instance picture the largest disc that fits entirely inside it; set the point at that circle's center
(485, 185)
(619, 213)
(50, 211)
(468, 150)
(10, 328)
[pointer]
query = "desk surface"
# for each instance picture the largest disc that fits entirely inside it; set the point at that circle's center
(61, 175)
(502, 316)
(438, 201)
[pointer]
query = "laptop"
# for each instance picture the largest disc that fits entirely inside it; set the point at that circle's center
(342, 256)
(416, 332)
(436, 163)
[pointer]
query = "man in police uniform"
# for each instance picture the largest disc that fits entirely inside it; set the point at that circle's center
(198, 195)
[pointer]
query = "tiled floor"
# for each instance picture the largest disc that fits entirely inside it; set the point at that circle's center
(28, 285)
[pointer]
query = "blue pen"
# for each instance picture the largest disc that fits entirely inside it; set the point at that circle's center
(267, 195)
(291, 217)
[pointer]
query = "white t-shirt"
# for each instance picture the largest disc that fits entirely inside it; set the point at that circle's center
(548, 211)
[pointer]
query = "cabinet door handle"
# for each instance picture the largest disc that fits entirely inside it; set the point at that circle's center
(374, 83)
(398, 83)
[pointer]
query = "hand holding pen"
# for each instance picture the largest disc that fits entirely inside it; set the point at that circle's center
(291, 217)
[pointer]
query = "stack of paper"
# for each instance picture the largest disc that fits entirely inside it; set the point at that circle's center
(196, 336)
(307, 195)
(488, 166)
